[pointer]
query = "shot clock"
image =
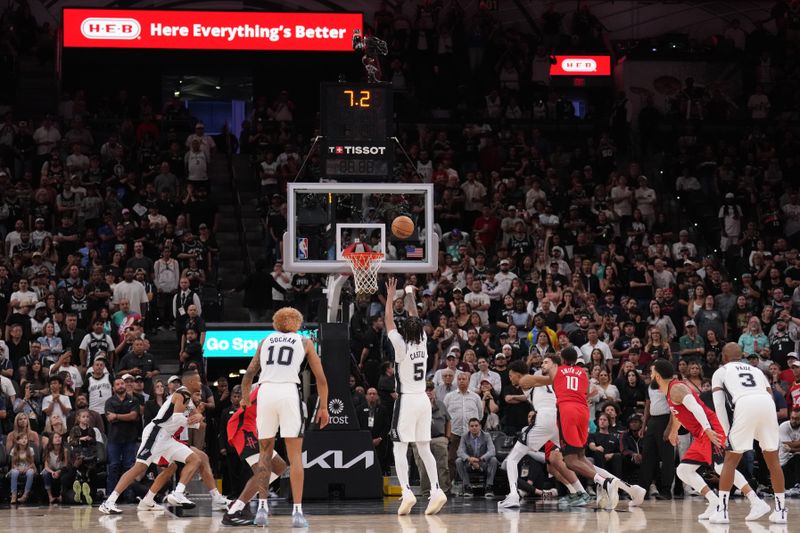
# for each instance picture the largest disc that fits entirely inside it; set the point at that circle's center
(355, 122)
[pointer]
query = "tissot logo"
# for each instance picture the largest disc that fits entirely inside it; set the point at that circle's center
(357, 150)
(126, 29)
(579, 65)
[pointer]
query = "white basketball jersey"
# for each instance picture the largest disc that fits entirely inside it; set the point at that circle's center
(164, 420)
(542, 398)
(739, 380)
(410, 363)
(281, 356)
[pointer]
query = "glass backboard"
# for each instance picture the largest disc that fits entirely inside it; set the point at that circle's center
(325, 218)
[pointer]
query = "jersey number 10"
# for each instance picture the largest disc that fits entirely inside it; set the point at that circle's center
(284, 355)
(572, 382)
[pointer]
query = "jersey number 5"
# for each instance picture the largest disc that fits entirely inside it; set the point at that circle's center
(419, 371)
(284, 355)
(572, 382)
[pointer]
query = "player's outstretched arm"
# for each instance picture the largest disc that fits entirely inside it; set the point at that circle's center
(411, 300)
(247, 381)
(391, 289)
(529, 382)
(315, 364)
(720, 399)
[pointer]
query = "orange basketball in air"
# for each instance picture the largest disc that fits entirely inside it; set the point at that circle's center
(402, 227)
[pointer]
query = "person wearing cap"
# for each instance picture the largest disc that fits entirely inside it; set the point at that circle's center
(204, 141)
(691, 344)
(505, 276)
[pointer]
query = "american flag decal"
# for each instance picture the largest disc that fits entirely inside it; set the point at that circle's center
(414, 252)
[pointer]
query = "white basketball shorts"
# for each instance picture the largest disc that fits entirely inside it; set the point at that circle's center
(411, 421)
(754, 419)
(157, 444)
(280, 407)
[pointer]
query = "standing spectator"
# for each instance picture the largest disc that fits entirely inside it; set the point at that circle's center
(691, 344)
(593, 343)
(462, 405)
(440, 433)
(730, 222)
(131, 290)
(478, 301)
(166, 274)
(374, 418)
(476, 452)
(98, 386)
(758, 104)
(197, 163)
(205, 142)
(184, 298)
(139, 362)
(645, 197)
(55, 403)
(789, 450)
(753, 340)
(122, 413)
(96, 344)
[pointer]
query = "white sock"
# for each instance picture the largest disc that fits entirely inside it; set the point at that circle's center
(272, 477)
(711, 497)
(262, 504)
(401, 463)
(180, 488)
(578, 486)
(752, 497)
(297, 508)
(608, 475)
(214, 493)
(149, 498)
(113, 497)
(724, 496)
(571, 489)
(780, 501)
(238, 505)
(424, 450)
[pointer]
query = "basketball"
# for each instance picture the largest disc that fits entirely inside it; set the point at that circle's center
(402, 227)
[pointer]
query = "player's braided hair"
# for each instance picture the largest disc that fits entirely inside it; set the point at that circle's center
(412, 330)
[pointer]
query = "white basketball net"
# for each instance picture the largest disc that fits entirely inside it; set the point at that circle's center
(365, 266)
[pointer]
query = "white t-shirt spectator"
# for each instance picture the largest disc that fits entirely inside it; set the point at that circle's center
(134, 292)
(46, 139)
(477, 299)
(61, 406)
(786, 434)
(196, 165)
(586, 351)
(74, 372)
(207, 144)
(8, 388)
(645, 200)
(688, 184)
(758, 104)
(621, 198)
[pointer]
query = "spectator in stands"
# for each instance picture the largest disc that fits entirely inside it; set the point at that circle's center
(22, 464)
(632, 450)
(56, 403)
(789, 450)
(462, 405)
(131, 291)
(691, 344)
(753, 339)
(98, 386)
(54, 459)
(374, 418)
(605, 448)
(476, 453)
(122, 413)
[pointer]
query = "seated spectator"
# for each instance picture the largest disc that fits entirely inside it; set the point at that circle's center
(81, 404)
(606, 390)
(789, 450)
(22, 464)
(484, 374)
(54, 460)
(21, 426)
(632, 450)
(604, 446)
(633, 394)
(476, 453)
(82, 469)
(691, 344)
(490, 420)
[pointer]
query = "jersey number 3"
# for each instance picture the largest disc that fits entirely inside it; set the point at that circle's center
(748, 380)
(284, 355)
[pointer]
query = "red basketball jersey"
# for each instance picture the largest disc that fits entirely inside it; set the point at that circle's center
(571, 385)
(687, 419)
(242, 420)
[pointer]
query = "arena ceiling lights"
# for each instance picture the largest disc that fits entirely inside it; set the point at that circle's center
(210, 30)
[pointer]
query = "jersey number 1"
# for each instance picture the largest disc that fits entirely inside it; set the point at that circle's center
(572, 382)
(284, 355)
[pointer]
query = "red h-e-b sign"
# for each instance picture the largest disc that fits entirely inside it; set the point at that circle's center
(207, 30)
(575, 65)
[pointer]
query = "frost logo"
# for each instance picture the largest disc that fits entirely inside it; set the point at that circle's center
(335, 406)
(578, 64)
(123, 29)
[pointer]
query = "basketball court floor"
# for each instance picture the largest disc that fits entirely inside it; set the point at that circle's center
(458, 516)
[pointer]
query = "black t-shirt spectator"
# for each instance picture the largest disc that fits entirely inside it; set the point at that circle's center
(514, 415)
(118, 431)
(609, 441)
(639, 293)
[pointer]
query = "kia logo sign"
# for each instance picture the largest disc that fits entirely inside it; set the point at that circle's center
(123, 29)
(580, 66)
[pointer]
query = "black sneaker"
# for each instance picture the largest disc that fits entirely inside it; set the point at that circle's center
(237, 519)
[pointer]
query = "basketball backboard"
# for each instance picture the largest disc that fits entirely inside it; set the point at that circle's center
(325, 218)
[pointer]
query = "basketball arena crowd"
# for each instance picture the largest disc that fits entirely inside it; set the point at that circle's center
(659, 235)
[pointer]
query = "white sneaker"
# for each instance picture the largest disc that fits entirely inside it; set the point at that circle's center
(406, 503)
(758, 509)
(436, 502)
(153, 506)
(709, 512)
(179, 499)
(109, 508)
(511, 501)
(719, 517)
(637, 498)
(778, 517)
(613, 494)
(220, 503)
